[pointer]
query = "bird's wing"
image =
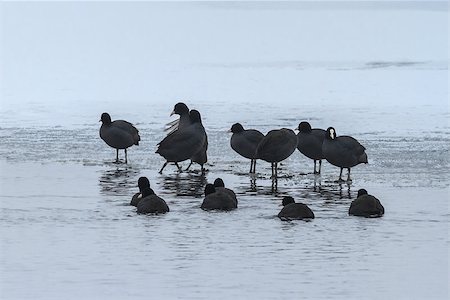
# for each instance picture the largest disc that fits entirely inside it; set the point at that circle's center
(254, 136)
(127, 126)
(172, 126)
(186, 137)
(351, 143)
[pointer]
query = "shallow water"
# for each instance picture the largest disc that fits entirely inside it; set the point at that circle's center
(67, 231)
(73, 230)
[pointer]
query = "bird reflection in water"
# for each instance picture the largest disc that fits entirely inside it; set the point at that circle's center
(317, 184)
(334, 193)
(118, 181)
(252, 183)
(274, 184)
(185, 184)
(346, 193)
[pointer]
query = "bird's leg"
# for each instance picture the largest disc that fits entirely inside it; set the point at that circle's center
(187, 166)
(117, 155)
(165, 164)
(340, 176)
(320, 165)
(315, 172)
(179, 168)
(348, 176)
(276, 170)
(126, 156)
(253, 166)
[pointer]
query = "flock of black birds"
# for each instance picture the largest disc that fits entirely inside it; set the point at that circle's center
(187, 140)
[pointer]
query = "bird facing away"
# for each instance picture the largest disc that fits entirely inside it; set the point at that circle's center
(276, 146)
(310, 143)
(245, 142)
(343, 151)
(143, 183)
(217, 200)
(219, 185)
(183, 143)
(201, 156)
(292, 210)
(151, 204)
(366, 206)
(118, 134)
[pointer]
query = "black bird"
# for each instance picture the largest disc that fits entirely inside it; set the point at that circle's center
(245, 142)
(217, 200)
(118, 134)
(183, 143)
(143, 183)
(292, 210)
(151, 203)
(201, 156)
(366, 206)
(184, 120)
(310, 143)
(276, 146)
(219, 185)
(343, 151)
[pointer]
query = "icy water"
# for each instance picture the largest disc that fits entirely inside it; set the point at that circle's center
(67, 231)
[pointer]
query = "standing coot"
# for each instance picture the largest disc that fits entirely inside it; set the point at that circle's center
(310, 143)
(343, 151)
(245, 142)
(118, 134)
(276, 146)
(183, 143)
